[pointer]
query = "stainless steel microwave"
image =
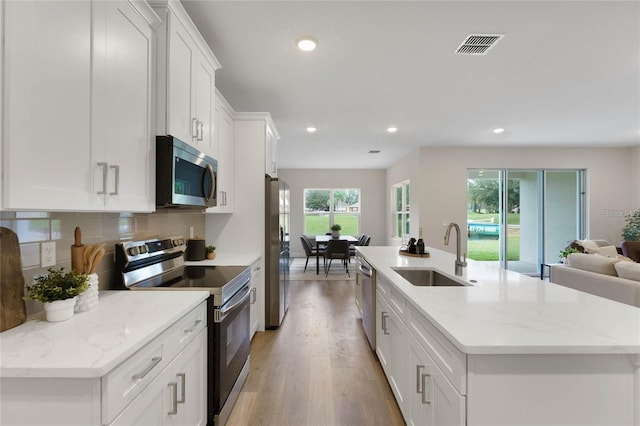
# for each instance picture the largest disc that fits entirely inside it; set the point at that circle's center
(185, 177)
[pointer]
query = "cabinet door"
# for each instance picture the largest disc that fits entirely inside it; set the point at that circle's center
(203, 88)
(398, 359)
(254, 312)
(223, 140)
(122, 127)
(382, 332)
(181, 56)
(432, 399)
(47, 89)
(271, 153)
(189, 372)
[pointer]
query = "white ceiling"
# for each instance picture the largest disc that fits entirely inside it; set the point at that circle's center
(565, 74)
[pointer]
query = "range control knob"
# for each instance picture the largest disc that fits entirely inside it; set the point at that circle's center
(143, 249)
(133, 251)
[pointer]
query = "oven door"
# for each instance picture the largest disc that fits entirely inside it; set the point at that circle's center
(231, 343)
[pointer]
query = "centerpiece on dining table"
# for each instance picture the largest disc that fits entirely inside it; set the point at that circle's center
(335, 230)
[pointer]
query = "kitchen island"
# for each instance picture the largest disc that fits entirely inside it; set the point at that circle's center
(109, 365)
(504, 348)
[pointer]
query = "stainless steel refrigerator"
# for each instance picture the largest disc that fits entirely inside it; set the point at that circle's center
(276, 251)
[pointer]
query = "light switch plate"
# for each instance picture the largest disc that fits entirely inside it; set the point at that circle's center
(48, 254)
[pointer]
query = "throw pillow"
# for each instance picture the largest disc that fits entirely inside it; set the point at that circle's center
(593, 263)
(629, 270)
(608, 251)
(587, 244)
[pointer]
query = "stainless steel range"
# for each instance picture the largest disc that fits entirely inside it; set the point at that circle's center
(158, 264)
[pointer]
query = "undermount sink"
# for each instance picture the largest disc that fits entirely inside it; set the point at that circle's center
(427, 277)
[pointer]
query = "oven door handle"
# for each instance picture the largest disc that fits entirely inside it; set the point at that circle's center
(221, 313)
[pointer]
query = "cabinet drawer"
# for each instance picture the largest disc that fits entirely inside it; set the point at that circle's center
(122, 384)
(182, 332)
(447, 357)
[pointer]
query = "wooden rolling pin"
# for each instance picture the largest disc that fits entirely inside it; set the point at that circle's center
(77, 252)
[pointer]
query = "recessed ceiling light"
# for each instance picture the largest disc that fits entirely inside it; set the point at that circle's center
(307, 44)
(311, 129)
(498, 130)
(392, 129)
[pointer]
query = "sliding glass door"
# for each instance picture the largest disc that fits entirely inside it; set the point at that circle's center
(522, 218)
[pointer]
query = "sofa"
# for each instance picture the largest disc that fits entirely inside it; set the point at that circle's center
(613, 277)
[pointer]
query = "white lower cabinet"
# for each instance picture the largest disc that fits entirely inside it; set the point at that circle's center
(163, 383)
(423, 392)
(255, 311)
(431, 399)
(177, 396)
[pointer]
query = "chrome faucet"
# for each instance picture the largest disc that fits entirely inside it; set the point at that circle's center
(459, 263)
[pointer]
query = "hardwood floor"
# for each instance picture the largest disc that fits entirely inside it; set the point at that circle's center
(317, 368)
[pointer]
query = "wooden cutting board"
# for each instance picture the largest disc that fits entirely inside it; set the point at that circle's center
(12, 306)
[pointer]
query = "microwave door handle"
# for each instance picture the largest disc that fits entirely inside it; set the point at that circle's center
(212, 194)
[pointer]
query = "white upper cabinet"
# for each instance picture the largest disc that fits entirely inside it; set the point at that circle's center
(271, 152)
(78, 106)
(223, 151)
(46, 103)
(186, 79)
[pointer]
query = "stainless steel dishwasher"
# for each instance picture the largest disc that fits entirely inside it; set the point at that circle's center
(366, 279)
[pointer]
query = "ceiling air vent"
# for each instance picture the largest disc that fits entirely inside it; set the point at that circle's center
(374, 151)
(478, 44)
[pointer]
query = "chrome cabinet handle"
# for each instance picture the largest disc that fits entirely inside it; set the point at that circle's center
(105, 172)
(194, 127)
(174, 394)
(183, 380)
(384, 322)
(424, 389)
(254, 298)
(195, 325)
(117, 170)
(154, 361)
(419, 389)
(200, 130)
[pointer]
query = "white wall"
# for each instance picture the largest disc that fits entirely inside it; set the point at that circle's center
(635, 176)
(612, 179)
(372, 198)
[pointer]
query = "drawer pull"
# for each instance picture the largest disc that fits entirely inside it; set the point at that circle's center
(418, 377)
(195, 325)
(384, 322)
(174, 396)
(424, 389)
(183, 381)
(154, 361)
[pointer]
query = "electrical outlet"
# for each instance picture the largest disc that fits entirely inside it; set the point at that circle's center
(48, 254)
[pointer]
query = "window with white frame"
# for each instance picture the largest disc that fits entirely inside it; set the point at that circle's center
(326, 207)
(400, 199)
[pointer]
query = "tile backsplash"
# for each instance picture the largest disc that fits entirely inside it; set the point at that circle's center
(33, 228)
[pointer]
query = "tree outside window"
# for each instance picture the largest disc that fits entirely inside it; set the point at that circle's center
(326, 207)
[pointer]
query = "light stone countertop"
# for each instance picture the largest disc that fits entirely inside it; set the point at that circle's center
(92, 343)
(505, 312)
(227, 259)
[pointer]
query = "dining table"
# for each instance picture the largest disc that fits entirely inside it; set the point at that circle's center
(323, 239)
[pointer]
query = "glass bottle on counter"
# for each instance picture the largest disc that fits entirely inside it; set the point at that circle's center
(420, 243)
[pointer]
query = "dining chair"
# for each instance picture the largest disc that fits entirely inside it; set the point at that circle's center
(336, 249)
(310, 249)
(361, 242)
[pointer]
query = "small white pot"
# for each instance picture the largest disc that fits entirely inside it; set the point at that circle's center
(59, 310)
(335, 234)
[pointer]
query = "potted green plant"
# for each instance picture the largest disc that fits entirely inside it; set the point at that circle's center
(211, 252)
(566, 252)
(335, 230)
(631, 231)
(57, 290)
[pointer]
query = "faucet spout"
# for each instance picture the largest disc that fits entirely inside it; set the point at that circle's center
(459, 263)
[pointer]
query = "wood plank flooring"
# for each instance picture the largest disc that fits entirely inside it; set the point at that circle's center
(317, 368)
